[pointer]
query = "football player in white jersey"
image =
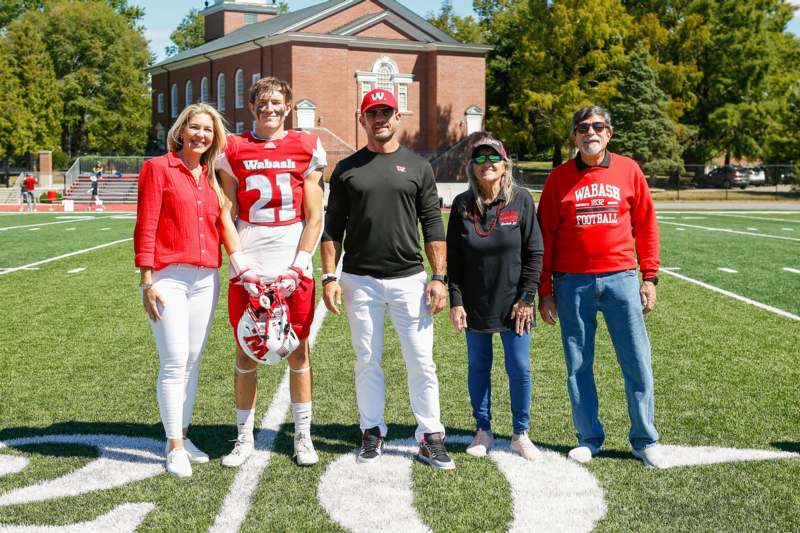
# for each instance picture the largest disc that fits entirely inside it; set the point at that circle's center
(272, 219)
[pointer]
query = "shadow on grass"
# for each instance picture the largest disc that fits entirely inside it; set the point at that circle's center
(787, 446)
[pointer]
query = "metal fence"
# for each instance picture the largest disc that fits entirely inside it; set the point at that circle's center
(774, 181)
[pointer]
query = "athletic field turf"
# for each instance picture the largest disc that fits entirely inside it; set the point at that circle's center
(81, 441)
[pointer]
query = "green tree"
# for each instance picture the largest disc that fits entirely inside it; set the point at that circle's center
(189, 34)
(14, 118)
(643, 129)
(550, 58)
(99, 60)
(464, 29)
(33, 68)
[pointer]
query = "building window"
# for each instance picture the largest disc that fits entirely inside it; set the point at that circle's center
(402, 97)
(239, 127)
(160, 102)
(366, 87)
(189, 89)
(204, 90)
(221, 92)
(255, 78)
(385, 77)
(161, 137)
(306, 114)
(173, 104)
(239, 100)
(250, 18)
(474, 116)
(253, 126)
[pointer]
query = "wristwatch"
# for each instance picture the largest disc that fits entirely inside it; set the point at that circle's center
(326, 278)
(145, 286)
(528, 297)
(439, 277)
(653, 280)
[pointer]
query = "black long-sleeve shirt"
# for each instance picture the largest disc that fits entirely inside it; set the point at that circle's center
(492, 259)
(376, 200)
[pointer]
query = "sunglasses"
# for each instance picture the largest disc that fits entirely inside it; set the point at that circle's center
(583, 127)
(481, 159)
(382, 113)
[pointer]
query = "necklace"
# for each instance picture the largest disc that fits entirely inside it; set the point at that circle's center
(478, 230)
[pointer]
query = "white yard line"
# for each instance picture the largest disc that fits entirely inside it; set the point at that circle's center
(57, 258)
(76, 270)
(792, 270)
(737, 232)
(796, 221)
(237, 503)
(728, 270)
(733, 295)
(71, 221)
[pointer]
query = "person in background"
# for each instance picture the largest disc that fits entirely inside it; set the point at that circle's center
(494, 258)
(177, 249)
(593, 210)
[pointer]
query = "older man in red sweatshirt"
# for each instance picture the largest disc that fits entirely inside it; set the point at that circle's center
(593, 210)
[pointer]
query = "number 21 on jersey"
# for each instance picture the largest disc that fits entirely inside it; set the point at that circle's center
(261, 210)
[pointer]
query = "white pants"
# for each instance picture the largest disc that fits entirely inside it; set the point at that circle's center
(190, 296)
(367, 299)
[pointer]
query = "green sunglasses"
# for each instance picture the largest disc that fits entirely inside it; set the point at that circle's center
(481, 159)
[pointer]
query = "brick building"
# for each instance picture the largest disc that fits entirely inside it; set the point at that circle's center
(332, 53)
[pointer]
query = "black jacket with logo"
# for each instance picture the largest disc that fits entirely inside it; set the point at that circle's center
(492, 259)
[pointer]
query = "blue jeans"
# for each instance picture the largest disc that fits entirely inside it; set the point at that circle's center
(517, 350)
(578, 299)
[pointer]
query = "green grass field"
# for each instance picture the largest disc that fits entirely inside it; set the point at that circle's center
(77, 357)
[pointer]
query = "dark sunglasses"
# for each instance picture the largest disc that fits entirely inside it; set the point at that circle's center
(382, 113)
(481, 159)
(583, 127)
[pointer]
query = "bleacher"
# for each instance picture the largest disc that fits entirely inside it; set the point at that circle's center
(121, 189)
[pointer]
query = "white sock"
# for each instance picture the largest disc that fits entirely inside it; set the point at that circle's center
(302, 416)
(245, 420)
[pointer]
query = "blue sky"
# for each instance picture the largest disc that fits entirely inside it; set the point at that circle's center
(161, 18)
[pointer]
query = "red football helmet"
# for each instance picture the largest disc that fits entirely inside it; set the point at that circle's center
(264, 331)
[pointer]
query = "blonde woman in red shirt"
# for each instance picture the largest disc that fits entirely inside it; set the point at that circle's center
(177, 245)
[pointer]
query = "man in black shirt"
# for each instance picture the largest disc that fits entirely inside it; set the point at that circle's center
(377, 195)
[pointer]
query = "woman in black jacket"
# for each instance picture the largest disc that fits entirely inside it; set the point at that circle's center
(494, 255)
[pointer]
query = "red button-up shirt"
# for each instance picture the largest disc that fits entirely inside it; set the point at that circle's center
(177, 218)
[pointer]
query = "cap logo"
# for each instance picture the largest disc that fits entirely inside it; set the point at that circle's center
(378, 96)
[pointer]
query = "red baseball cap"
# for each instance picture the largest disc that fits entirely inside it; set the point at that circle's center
(378, 97)
(489, 142)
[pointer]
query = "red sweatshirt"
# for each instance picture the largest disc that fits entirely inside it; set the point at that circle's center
(591, 216)
(176, 217)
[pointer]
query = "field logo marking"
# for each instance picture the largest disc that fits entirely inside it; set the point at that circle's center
(50, 260)
(733, 295)
(122, 460)
(124, 518)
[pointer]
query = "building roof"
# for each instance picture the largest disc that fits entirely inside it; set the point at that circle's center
(289, 24)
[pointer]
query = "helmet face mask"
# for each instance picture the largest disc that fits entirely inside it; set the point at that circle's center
(264, 331)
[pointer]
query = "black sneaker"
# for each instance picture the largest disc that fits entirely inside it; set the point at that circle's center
(432, 451)
(371, 446)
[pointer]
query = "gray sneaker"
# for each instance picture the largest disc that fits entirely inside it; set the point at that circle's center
(371, 446)
(433, 452)
(304, 452)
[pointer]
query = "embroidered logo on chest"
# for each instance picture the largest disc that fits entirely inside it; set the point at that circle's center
(400, 168)
(508, 218)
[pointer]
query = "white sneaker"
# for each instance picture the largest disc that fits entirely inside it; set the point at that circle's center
(653, 456)
(582, 454)
(196, 455)
(241, 451)
(480, 444)
(522, 445)
(304, 452)
(178, 463)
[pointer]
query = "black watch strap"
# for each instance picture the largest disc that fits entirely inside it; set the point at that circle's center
(439, 277)
(652, 279)
(528, 297)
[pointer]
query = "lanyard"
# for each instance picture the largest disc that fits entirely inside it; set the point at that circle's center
(477, 225)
